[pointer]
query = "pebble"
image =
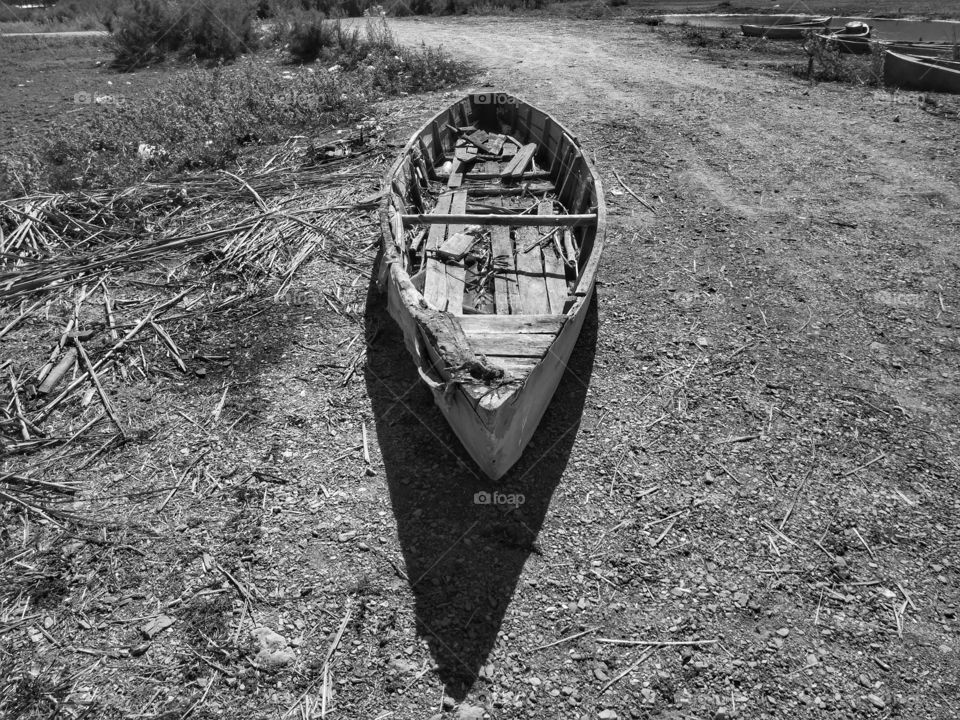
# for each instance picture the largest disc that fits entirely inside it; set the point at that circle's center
(783, 632)
(470, 712)
(608, 715)
(876, 701)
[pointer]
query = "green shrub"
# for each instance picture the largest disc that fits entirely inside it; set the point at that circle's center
(308, 36)
(221, 29)
(146, 31)
(827, 64)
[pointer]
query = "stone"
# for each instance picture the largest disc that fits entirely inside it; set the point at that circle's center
(470, 712)
(608, 715)
(274, 652)
(876, 701)
(268, 639)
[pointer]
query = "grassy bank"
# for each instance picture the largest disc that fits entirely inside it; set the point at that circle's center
(197, 117)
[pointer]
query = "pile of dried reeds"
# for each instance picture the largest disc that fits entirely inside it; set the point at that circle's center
(82, 267)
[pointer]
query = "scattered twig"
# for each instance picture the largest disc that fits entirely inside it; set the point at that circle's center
(567, 639)
(633, 666)
(639, 199)
(867, 464)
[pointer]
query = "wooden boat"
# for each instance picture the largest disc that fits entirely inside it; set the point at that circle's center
(492, 225)
(921, 73)
(854, 37)
(923, 49)
(779, 31)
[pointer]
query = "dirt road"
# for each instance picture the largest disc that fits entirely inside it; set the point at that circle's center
(796, 289)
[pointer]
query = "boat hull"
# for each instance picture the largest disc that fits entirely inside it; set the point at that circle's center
(921, 73)
(940, 50)
(784, 32)
(493, 420)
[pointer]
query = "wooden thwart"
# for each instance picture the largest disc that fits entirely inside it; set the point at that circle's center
(509, 220)
(528, 345)
(517, 324)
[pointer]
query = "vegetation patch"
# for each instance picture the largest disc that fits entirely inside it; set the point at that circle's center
(204, 118)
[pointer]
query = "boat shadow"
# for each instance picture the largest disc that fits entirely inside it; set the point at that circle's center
(463, 556)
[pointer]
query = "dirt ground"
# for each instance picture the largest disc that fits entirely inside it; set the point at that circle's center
(743, 501)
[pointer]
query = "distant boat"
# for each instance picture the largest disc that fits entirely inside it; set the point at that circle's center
(854, 37)
(783, 31)
(923, 49)
(921, 73)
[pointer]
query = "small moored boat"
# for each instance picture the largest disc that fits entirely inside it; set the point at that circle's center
(854, 37)
(944, 51)
(921, 73)
(492, 227)
(782, 31)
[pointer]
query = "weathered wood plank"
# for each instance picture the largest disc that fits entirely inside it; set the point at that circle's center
(465, 153)
(511, 220)
(555, 277)
(511, 324)
(455, 271)
(514, 366)
(505, 292)
(533, 288)
(456, 246)
(521, 160)
(456, 281)
(435, 284)
(531, 345)
(477, 175)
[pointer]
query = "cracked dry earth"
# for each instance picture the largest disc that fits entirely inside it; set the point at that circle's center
(743, 501)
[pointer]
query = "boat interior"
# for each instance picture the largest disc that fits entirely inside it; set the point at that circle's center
(496, 211)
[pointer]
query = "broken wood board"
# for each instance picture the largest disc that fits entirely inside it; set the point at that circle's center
(518, 165)
(456, 246)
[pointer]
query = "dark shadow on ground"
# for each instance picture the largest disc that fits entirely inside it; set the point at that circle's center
(463, 559)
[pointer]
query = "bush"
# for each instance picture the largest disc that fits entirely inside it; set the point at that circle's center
(827, 64)
(221, 29)
(146, 31)
(308, 36)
